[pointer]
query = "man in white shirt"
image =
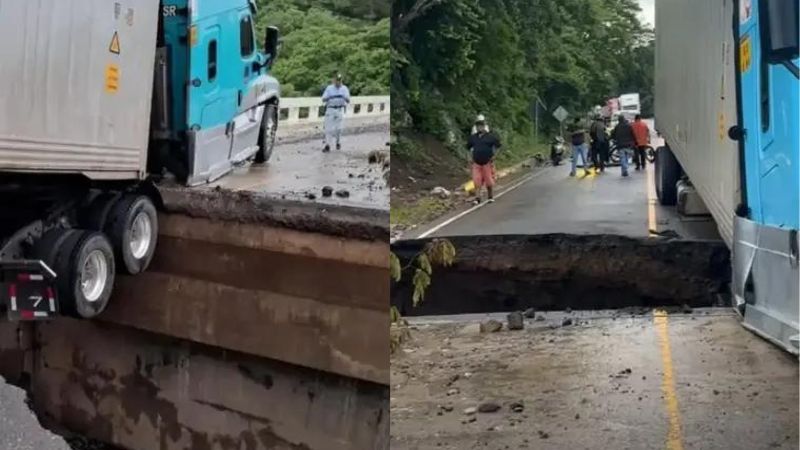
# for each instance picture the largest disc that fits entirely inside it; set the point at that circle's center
(335, 98)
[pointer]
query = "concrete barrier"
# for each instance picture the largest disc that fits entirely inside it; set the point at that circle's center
(303, 117)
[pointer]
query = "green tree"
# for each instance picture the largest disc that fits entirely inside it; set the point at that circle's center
(453, 59)
(321, 38)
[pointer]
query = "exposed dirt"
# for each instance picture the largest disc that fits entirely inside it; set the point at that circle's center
(436, 166)
(252, 207)
(557, 271)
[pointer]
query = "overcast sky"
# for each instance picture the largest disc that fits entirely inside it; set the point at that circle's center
(648, 11)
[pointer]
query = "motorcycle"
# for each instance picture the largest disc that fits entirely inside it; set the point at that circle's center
(557, 150)
(613, 152)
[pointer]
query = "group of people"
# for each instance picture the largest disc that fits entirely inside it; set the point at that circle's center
(630, 139)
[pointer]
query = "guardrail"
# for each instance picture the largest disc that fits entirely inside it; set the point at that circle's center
(309, 110)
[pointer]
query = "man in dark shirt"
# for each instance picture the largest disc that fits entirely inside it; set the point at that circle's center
(626, 142)
(597, 132)
(483, 145)
(578, 139)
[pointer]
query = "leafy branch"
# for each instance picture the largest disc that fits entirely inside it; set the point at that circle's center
(438, 252)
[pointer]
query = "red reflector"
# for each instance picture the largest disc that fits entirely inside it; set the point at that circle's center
(12, 290)
(26, 314)
(50, 294)
(24, 277)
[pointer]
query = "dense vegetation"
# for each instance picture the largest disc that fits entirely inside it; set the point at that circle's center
(322, 37)
(453, 59)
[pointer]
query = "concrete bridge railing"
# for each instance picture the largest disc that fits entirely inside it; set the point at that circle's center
(303, 117)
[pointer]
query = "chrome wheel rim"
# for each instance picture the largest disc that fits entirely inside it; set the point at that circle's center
(141, 231)
(94, 275)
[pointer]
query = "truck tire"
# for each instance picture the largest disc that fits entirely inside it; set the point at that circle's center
(133, 229)
(95, 216)
(266, 137)
(83, 261)
(46, 248)
(668, 172)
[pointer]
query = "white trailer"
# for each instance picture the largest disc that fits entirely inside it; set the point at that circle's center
(726, 103)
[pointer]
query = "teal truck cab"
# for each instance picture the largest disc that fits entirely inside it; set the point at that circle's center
(99, 100)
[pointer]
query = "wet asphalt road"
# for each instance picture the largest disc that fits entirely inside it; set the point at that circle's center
(19, 427)
(552, 202)
(298, 170)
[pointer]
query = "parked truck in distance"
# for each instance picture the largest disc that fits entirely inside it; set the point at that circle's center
(99, 99)
(629, 105)
(726, 103)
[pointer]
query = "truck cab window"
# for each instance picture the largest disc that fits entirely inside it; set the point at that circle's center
(246, 36)
(212, 60)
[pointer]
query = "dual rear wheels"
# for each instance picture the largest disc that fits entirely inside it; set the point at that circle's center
(667, 174)
(118, 233)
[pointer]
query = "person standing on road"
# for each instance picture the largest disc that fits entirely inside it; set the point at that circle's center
(642, 135)
(336, 97)
(597, 132)
(578, 138)
(626, 142)
(483, 145)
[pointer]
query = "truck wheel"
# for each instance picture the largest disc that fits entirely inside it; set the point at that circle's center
(133, 229)
(96, 214)
(266, 137)
(668, 172)
(84, 265)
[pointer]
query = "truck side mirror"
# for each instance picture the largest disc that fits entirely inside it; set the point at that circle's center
(271, 43)
(782, 23)
(736, 133)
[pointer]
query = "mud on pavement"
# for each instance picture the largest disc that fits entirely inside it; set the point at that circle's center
(557, 271)
(596, 384)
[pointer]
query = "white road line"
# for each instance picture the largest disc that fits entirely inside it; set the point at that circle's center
(480, 205)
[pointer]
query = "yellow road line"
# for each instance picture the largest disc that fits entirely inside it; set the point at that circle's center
(674, 436)
(651, 200)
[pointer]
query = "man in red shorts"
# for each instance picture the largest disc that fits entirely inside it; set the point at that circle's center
(483, 145)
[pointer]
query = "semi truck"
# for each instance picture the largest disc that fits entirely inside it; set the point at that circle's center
(629, 105)
(99, 100)
(726, 103)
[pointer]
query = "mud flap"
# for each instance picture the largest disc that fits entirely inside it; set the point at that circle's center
(766, 281)
(27, 290)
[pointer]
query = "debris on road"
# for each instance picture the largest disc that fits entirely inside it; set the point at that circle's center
(686, 309)
(530, 313)
(540, 317)
(547, 379)
(327, 191)
(440, 192)
(311, 196)
(377, 157)
(488, 407)
(491, 326)
(566, 322)
(343, 193)
(515, 321)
